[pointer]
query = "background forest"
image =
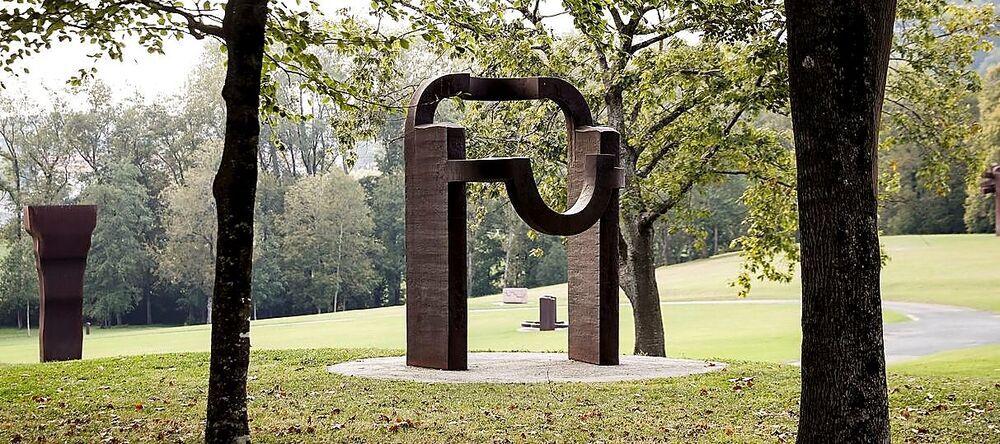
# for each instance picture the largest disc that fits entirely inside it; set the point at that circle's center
(329, 228)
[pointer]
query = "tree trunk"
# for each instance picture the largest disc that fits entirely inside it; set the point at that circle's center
(637, 265)
(149, 307)
(838, 55)
(515, 255)
(638, 280)
(234, 189)
(395, 293)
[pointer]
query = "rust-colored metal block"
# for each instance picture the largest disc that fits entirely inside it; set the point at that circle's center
(436, 172)
(546, 313)
(62, 240)
(989, 186)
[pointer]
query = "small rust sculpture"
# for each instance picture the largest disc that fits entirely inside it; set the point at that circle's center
(989, 186)
(62, 241)
(436, 172)
(547, 319)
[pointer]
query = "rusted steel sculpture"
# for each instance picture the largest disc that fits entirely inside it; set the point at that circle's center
(62, 241)
(436, 172)
(989, 185)
(547, 319)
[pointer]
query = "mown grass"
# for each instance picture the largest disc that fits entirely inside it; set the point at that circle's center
(951, 269)
(982, 362)
(161, 398)
(754, 332)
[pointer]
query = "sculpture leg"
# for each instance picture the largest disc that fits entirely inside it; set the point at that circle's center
(592, 258)
(436, 266)
(60, 327)
(996, 217)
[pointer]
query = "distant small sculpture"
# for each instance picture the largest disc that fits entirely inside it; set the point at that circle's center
(989, 186)
(547, 318)
(515, 295)
(62, 241)
(437, 171)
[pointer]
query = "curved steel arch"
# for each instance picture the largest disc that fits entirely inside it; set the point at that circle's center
(436, 173)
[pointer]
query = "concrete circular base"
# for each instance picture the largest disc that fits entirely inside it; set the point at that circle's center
(510, 368)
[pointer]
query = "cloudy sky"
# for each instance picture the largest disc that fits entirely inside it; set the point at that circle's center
(151, 75)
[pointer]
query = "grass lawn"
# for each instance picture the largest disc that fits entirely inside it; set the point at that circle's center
(161, 398)
(756, 332)
(968, 362)
(951, 269)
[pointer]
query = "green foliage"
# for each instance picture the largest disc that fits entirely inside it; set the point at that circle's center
(914, 208)
(118, 257)
(930, 79)
(384, 195)
(18, 278)
(187, 258)
(326, 237)
(980, 209)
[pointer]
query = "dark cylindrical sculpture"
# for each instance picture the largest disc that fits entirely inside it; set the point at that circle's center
(547, 313)
(62, 241)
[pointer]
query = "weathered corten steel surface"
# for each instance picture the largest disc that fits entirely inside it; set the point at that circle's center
(989, 185)
(436, 172)
(62, 241)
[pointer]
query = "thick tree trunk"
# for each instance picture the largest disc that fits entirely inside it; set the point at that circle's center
(638, 280)
(838, 55)
(234, 190)
(637, 265)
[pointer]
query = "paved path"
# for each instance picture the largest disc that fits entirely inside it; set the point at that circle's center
(937, 328)
(932, 328)
(516, 367)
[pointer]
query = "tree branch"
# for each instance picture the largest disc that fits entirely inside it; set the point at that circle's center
(197, 28)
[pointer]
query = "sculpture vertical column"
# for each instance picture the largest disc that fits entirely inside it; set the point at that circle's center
(62, 240)
(436, 326)
(592, 261)
(989, 186)
(995, 173)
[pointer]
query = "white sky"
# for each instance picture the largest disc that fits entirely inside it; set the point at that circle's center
(152, 75)
(149, 74)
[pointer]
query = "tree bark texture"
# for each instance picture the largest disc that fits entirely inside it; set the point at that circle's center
(638, 280)
(637, 265)
(234, 190)
(838, 56)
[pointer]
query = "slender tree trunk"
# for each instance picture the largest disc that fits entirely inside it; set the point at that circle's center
(638, 279)
(234, 189)
(838, 55)
(149, 307)
(715, 241)
(340, 259)
(515, 246)
(395, 294)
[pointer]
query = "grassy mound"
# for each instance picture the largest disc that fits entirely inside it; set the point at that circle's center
(161, 398)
